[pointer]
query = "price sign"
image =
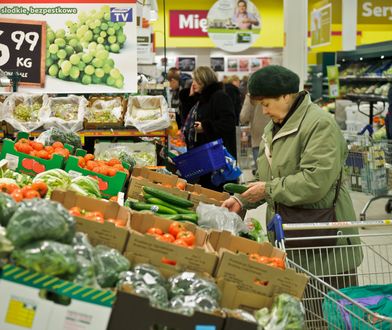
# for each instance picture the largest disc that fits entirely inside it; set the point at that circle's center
(22, 49)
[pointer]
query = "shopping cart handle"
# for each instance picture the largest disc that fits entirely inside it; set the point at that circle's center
(275, 225)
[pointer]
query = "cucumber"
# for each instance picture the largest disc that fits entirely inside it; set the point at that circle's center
(235, 188)
(157, 201)
(147, 196)
(181, 217)
(167, 197)
(139, 206)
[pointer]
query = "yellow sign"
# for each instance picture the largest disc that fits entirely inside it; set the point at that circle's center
(374, 12)
(320, 27)
(20, 313)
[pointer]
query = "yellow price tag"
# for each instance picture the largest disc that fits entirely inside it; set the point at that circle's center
(20, 312)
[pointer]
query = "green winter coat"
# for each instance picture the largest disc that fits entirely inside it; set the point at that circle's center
(307, 155)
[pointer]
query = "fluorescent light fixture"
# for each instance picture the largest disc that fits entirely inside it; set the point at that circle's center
(361, 58)
(382, 56)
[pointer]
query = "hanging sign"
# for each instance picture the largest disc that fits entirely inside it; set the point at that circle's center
(321, 20)
(88, 45)
(333, 81)
(234, 25)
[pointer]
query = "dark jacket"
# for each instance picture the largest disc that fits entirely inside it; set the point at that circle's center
(186, 103)
(216, 114)
(235, 95)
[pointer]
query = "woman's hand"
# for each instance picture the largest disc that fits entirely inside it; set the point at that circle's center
(232, 205)
(198, 127)
(255, 192)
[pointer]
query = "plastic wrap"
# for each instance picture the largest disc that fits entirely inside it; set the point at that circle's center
(47, 257)
(25, 112)
(61, 135)
(7, 208)
(38, 219)
(65, 112)
(108, 263)
(143, 153)
(240, 314)
(85, 274)
(5, 244)
(82, 246)
(105, 111)
(220, 218)
(287, 313)
(147, 113)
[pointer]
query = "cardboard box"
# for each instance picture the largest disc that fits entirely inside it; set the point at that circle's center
(144, 177)
(199, 194)
(22, 305)
(130, 309)
(108, 185)
(232, 322)
(143, 248)
(98, 233)
(234, 266)
(26, 164)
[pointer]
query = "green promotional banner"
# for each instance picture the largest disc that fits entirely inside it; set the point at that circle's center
(321, 20)
(333, 81)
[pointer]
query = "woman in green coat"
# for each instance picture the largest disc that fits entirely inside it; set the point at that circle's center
(301, 158)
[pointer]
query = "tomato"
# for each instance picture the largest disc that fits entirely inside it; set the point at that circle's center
(25, 148)
(37, 146)
(167, 238)
(113, 199)
(180, 242)
(32, 194)
(254, 257)
(112, 220)
(167, 261)
(121, 222)
(61, 152)
(17, 196)
(176, 227)
(264, 259)
(75, 211)
(187, 236)
(90, 164)
(43, 154)
(277, 262)
(181, 185)
(81, 161)
(154, 230)
(57, 144)
(49, 149)
(112, 171)
(95, 216)
(88, 157)
(113, 161)
(41, 187)
(11, 187)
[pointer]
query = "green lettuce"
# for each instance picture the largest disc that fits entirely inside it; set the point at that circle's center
(86, 186)
(54, 179)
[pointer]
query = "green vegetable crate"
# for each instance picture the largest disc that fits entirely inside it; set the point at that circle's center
(108, 185)
(30, 300)
(26, 164)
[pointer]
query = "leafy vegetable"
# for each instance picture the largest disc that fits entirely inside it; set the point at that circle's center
(60, 135)
(21, 179)
(25, 112)
(48, 257)
(7, 208)
(82, 245)
(5, 244)
(38, 219)
(85, 275)
(287, 313)
(54, 179)
(86, 186)
(109, 263)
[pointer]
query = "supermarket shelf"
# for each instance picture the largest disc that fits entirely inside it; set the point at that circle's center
(366, 97)
(366, 79)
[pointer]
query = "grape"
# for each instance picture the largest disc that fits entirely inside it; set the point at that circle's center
(89, 69)
(81, 66)
(119, 83)
(92, 46)
(74, 59)
(61, 75)
(112, 39)
(87, 58)
(103, 34)
(86, 80)
(98, 63)
(115, 73)
(96, 80)
(106, 68)
(121, 38)
(111, 31)
(69, 50)
(74, 72)
(117, 27)
(53, 70)
(60, 33)
(104, 26)
(60, 42)
(115, 48)
(50, 36)
(73, 42)
(110, 81)
(53, 49)
(61, 54)
(110, 62)
(88, 35)
(106, 16)
(99, 72)
(97, 30)
(66, 67)
(100, 40)
(49, 62)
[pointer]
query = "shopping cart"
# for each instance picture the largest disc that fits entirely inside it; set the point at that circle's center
(369, 168)
(326, 306)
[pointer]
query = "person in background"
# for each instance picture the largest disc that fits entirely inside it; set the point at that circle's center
(242, 18)
(175, 89)
(185, 78)
(231, 88)
(225, 79)
(211, 118)
(244, 87)
(252, 114)
(301, 160)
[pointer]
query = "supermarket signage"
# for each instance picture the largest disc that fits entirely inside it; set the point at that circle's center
(23, 49)
(188, 23)
(374, 12)
(333, 80)
(87, 47)
(321, 21)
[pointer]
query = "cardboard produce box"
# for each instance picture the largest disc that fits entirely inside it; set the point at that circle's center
(106, 233)
(142, 248)
(23, 307)
(235, 267)
(144, 177)
(199, 194)
(26, 164)
(108, 185)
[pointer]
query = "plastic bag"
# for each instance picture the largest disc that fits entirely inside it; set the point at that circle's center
(220, 218)
(105, 111)
(38, 219)
(7, 208)
(108, 263)
(240, 314)
(85, 275)
(61, 135)
(24, 111)
(287, 313)
(65, 112)
(147, 113)
(82, 246)
(47, 257)
(5, 244)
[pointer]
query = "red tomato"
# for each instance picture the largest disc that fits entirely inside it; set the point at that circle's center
(155, 230)
(187, 236)
(17, 195)
(11, 187)
(168, 261)
(32, 194)
(166, 238)
(75, 211)
(121, 222)
(180, 242)
(57, 144)
(176, 227)
(41, 187)
(88, 157)
(254, 257)
(81, 161)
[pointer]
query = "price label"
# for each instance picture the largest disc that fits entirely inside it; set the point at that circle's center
(23, 49)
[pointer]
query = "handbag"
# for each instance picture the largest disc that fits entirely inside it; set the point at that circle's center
(292, 215)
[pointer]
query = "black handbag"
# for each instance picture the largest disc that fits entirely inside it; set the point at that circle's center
(292, 215)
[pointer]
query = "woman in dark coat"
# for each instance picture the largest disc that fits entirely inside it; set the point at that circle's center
(212, 117)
